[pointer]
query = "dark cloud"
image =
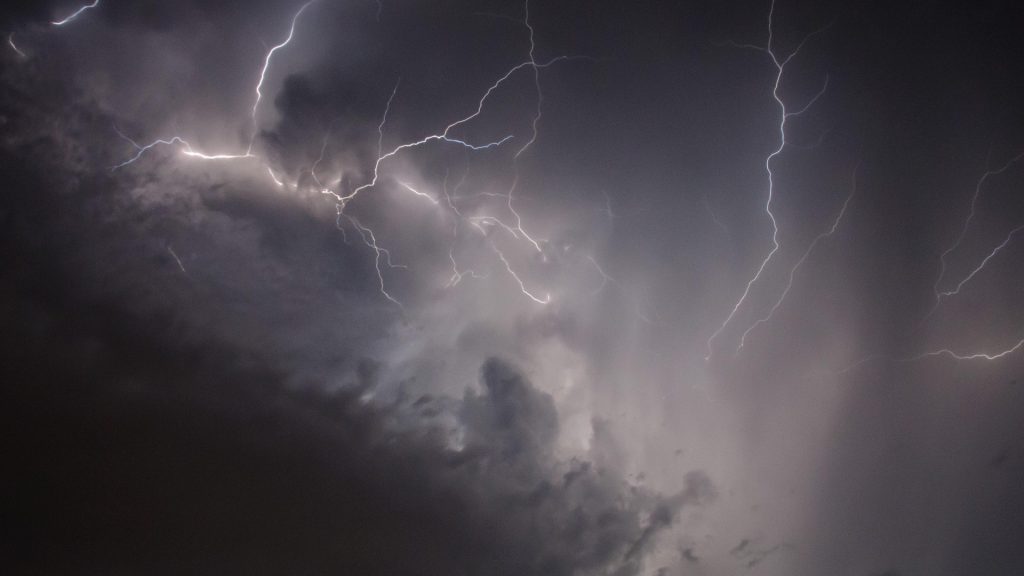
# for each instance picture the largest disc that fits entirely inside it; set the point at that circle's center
(199, 458)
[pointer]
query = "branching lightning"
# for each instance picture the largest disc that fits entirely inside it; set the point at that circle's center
(457, 275)
(187, 148)
(516, 229)
(371, 240)
(447, 136)
(939, 294)
(792, 273)
(984, 262)
(784, 115)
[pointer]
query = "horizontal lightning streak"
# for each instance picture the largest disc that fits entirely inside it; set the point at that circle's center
(186, 149)
(958, 356)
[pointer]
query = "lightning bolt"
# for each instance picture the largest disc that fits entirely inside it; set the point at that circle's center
(266, 66)
(10, 42)
(447, 136)
(76, 14)
(792, 273)
(187, 148)
(946, 352)
(177, 259)
(939, 295)
(784, 116)
(184, 146)
(959, 356)
(547, 297)
(370, 239)
(516, 230)
(974, 272)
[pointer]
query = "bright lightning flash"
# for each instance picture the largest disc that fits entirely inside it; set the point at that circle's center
(382, 257)
(76, 14)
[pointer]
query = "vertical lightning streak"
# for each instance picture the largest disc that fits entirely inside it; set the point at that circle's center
(535, 67)
(792, 273)
(457, 275)
(266, 66)
(533, 126)
(76, 14)
(784, 116)
(371, 240)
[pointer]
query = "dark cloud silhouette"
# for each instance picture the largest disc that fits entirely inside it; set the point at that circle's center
(199, 458)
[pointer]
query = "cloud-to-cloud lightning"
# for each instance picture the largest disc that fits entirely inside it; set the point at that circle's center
(961, 356)
(187, 148)
(785, 114)
(516, 230)
(446, 136)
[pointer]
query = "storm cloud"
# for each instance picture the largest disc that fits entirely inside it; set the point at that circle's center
(491, 288)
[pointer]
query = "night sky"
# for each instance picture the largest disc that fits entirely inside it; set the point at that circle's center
(489, 287)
